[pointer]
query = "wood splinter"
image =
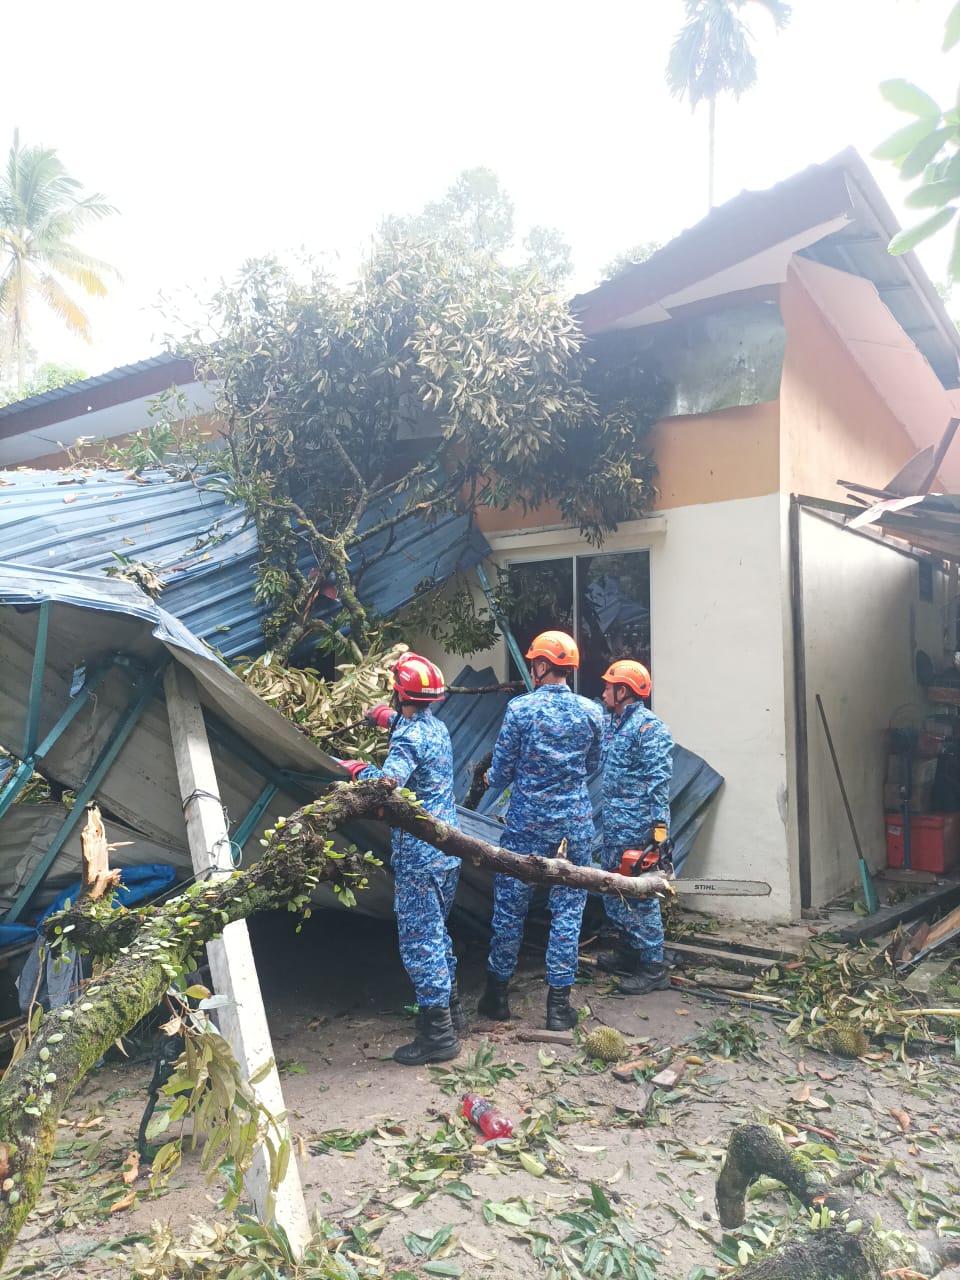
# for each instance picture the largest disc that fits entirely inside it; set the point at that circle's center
(98, 879)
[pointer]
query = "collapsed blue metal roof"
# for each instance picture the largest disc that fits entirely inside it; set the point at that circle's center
(206, 553)
(203, 547)
(474, 722)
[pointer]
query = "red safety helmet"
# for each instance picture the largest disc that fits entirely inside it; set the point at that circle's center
(418, 679)
(557, 647)
(633, 674)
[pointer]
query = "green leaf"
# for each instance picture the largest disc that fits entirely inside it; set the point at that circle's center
(438, 1240)
(416, 1244)
(933, 195)
(899, 145)
(600, 1201)
(509, 1210)
(953, 266)
(531, 1165)
(904, 241)
(159, 1121)
(262, 1072)
(460, 1190)
(951, 34)
(443, 1268)
(914, 163)
(907, 97)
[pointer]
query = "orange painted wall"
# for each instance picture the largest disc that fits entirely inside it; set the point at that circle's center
(834, 423)
(715, 457)
(707, 457)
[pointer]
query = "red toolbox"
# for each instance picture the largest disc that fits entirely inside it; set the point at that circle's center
(934, 840)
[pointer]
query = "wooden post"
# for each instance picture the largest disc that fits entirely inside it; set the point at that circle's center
(232, 967)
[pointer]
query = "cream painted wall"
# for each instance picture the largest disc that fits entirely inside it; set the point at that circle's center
(718, 656)
(863, 621)
(716, 582)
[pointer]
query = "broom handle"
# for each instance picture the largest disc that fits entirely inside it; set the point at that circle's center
(843, 789)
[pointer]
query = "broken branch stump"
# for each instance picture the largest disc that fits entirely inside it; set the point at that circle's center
(97, 876)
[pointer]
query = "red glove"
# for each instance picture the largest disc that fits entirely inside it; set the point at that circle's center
(381, 715)
(353, 767)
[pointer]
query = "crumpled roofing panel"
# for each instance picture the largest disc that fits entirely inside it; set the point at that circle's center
(474, 722)
(204, 549)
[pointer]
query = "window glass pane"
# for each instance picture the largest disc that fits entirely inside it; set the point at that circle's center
(541, 593)
(613, 611)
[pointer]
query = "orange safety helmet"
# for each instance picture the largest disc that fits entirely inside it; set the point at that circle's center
(557, 647)
(418, 679)
(633, 674)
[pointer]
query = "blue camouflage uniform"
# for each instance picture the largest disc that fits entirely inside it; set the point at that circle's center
(637, 768)
(425, 880)
(548, 745)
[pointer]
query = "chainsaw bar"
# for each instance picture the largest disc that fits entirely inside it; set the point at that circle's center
(723, 888)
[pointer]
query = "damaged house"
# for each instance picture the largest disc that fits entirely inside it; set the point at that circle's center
(800, 353)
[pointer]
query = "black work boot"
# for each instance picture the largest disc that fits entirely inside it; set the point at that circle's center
(457, 1015)
(622, 959)
(435, 1041)
(493, 1003)
(648, 975)
(560, 1016)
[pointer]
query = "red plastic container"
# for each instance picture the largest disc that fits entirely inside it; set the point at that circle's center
(934, 841)
(481, 1113)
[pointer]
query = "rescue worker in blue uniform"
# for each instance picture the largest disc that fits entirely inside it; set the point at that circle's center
(548, 745)
(637, 769)
(420, 757)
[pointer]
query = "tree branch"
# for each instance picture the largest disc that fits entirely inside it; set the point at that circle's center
(147, 947)
(754, 1150)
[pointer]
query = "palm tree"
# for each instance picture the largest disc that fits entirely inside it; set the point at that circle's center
(712, 55)
(41, 212)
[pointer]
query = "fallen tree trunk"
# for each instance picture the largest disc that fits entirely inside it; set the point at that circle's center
(831, 1253)
(147, 947)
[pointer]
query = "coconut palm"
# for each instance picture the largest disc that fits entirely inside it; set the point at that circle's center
(712, 55)
(42, 210)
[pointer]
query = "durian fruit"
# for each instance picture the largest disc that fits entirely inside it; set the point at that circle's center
(605, 1043)
(847, 1039)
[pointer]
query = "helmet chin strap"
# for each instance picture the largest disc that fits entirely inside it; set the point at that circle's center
(538, 669)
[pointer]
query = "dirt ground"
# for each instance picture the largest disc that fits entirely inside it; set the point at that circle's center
(387, 1165)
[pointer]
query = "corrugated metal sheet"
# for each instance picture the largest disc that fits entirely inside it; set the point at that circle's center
(93, 619)
(205, 550)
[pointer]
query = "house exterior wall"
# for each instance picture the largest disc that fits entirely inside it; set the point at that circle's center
(863, 622)
(718, 662)
(834, 423)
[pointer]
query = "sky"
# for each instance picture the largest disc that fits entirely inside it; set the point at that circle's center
(223, 131)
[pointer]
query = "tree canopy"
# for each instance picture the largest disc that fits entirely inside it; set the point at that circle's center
(711, 55)
(42, 212)
(46, 377)
(441, 380)
(927, 152)
(477, 215)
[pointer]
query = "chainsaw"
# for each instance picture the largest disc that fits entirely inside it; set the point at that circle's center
(657, 855)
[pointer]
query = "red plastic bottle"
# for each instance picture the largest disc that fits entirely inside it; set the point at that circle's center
(481, 1113)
